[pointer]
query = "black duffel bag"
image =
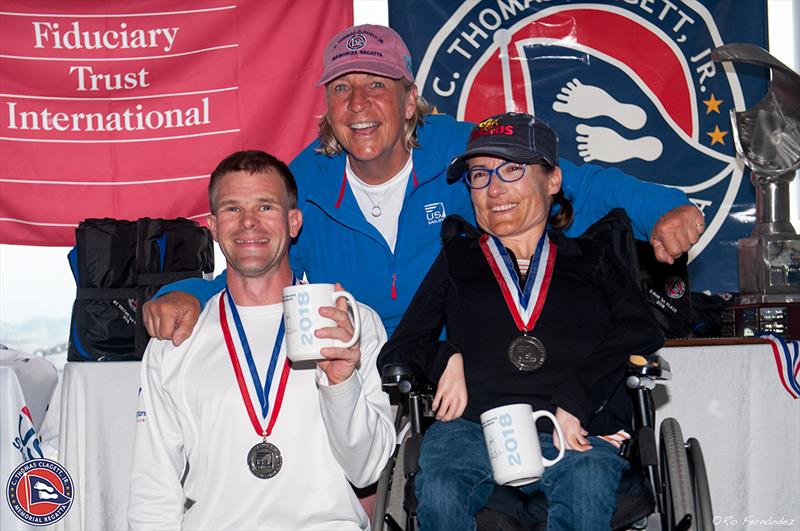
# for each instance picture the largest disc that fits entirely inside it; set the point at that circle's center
(118, 265)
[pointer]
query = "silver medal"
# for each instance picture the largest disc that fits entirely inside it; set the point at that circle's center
(527, 353)
(264, 460)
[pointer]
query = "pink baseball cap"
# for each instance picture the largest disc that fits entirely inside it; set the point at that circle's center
(367, 48)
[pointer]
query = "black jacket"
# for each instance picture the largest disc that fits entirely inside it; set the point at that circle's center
(593, 319)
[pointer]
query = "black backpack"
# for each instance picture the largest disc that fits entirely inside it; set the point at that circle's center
(118, 265)
(665, 287)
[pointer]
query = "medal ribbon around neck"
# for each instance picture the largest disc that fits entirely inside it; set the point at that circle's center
(261, 391)
(524, 305)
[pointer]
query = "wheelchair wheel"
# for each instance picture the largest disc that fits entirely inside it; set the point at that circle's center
(676, 477)
(702, 494)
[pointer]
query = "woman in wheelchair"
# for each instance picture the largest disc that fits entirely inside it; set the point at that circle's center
(531, 316)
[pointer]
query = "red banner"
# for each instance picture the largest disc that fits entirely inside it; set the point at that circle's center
(122, 109)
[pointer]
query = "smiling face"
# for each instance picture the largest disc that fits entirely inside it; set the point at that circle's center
(515, 212)
(253, 222)
(368, 114)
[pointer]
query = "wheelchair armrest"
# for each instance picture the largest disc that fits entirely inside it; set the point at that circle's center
(401, 376)
(397, 375)
(653, 367)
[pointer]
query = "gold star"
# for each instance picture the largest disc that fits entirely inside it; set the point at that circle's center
(435, 110)
(717, 136)
(712, 104)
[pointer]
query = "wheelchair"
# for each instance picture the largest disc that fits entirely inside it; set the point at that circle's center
(665, 488)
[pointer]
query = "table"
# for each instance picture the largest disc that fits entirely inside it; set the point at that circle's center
(26, 385)
(95, 441)
(728, 397)
(731, 399)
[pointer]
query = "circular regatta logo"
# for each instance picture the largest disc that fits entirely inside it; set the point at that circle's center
(39, 492)
(675, 287)
(356, 42)
(646, 99)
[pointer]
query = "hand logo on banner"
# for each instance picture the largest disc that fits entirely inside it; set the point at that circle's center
(624, 85)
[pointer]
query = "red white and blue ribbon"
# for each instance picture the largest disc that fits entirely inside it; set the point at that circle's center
(262, 392)
(787, 361)
(525, 304)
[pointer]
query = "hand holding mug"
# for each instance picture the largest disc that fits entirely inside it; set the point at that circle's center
(319, 328)
(340, 361)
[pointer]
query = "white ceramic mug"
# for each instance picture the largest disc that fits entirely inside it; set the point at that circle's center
(301, 304)
(513, 443)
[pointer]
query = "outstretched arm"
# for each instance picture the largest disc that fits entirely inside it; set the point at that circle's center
(173, 311)
(660, 214)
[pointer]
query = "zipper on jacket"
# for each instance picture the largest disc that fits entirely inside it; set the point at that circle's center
(394, 285)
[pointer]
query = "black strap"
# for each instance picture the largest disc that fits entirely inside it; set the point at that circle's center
(106, 293)
(159, 279)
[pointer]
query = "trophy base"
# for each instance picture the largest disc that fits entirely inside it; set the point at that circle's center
(765, 298)
(769, 269)
(747, 320)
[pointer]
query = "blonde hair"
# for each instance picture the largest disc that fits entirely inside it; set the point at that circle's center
(328, 145)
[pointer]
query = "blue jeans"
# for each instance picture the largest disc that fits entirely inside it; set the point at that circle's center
(455, 481)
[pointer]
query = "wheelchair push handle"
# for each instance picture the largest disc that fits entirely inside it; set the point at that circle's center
(562, 442)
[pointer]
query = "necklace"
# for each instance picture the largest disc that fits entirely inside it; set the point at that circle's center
(376, 210)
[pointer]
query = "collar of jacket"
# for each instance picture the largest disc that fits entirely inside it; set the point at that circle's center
(430, 161)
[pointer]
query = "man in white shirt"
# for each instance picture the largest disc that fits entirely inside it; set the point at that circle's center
(230, 435)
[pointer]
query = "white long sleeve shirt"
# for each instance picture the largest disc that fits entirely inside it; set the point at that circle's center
(192, 416)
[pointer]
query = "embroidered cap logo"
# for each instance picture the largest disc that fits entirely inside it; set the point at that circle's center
(356, 42)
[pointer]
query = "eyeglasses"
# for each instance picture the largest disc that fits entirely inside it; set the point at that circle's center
(508, 172)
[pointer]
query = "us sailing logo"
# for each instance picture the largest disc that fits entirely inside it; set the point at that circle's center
(627, 86)
(435, 213)
(39, 492)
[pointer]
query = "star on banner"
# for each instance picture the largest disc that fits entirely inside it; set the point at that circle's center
(717, 136)
(712, 104)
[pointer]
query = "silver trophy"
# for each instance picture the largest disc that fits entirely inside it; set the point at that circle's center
(767, 139)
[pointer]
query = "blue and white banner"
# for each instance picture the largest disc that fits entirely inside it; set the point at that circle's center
(625, 83)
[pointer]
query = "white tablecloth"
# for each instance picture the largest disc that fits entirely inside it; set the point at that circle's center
(37, 379)
(95, 443)
(731, 399)
(26, 385)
